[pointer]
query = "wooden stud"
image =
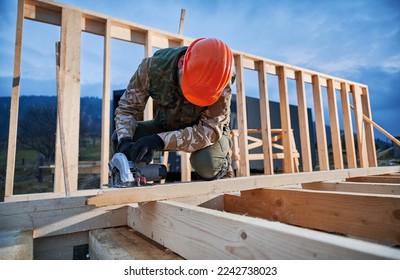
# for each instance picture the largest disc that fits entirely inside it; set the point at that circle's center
(335, 128)
(200, 233)
(323, 158)
(244, 169)
(345, 213)
(265, 119)
(348, 127)
(360, 127)
(285, 121)
(70, 50)
(148, 52)
(369, 130)
(303, 123)
(12, 136)
(186, 174)
(105, 123)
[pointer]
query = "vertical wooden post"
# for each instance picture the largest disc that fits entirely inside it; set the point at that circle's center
(288, 164)
(303, 123)
(244, 169)
(361, 140)
(265, 119)
(12, 136)
(105, 120)
(348, 127)
(369, 130)
(148, 52)
(323, 158)
(335, 128)
(70, 50)
(181, 22)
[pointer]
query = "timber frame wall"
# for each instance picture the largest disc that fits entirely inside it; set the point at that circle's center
(73, 21)
(271, 216)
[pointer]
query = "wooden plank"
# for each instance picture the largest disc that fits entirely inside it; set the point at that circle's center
(12, 135)
(303, 123)
(376, 179)
(244, 169)
(265, 119)
(66, 167)
(360, 128)
(323, 159)
(16, 244)
(286, 125)
(171, 191)
(105, 118)
(346, 213)
(369, 130)
(357, 187)
(148, 52)
(57, 216)
(335, 128)
(123, 243)
(199, 233)
(186, 169)
(42, 14)
(348, 127)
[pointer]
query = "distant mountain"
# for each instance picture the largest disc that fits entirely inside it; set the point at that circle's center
(90, 109)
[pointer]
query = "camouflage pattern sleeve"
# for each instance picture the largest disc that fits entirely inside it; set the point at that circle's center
(206, 132)
(133, 101)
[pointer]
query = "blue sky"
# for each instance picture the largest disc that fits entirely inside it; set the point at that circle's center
(357, 40)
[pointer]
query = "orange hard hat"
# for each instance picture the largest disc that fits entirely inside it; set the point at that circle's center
(207, 70)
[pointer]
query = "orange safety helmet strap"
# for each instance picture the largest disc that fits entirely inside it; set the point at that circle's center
(207, 70)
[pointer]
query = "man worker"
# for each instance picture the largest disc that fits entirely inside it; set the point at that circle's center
(191, 89)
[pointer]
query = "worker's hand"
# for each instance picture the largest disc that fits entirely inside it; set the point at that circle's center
(143, 149)
(125, 146)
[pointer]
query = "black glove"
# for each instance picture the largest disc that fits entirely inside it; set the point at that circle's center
(143, 149)
(125, 146)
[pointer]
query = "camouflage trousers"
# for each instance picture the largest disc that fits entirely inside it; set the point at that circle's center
(209, 163)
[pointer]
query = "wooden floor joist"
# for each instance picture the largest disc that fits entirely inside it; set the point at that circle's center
(123, 243)
(371, 216)
(199, 233)
(172, 191)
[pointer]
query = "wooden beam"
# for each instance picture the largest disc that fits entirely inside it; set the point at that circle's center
(288, 166)
(323, 159)
(335, 128)
(244, 169)
(346, 213)
(265, 119)
(348, 127)
(369, 130)
(180, 190)
(356, 187)
(360, 127)
(49, 217)
(12, 135)
(105, 119)
(67, 147)
(199, 233)
(16, 244)
(376, 179)
(123, 243)
(303, 123)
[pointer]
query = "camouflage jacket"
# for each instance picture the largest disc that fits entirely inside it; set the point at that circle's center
(187, 127)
